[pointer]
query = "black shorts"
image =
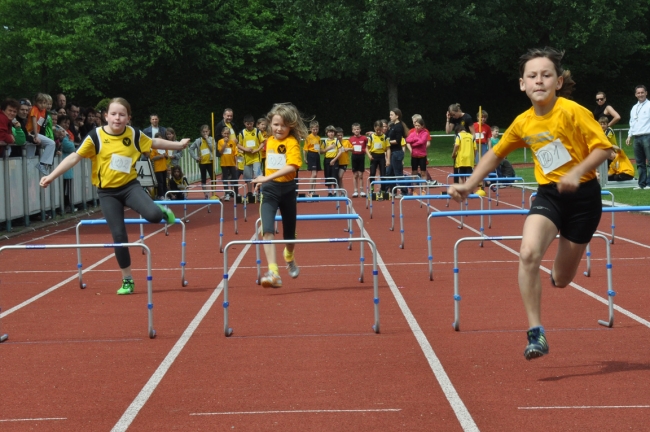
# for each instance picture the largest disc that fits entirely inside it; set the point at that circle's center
(274, 196)
(419, 163)
(358, 162)
(330, 171)
(313, 161)
(576, 215)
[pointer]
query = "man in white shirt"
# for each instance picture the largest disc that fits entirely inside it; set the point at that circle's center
(155, 127)
(640, 131)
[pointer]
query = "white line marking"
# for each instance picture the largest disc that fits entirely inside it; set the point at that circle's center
(463, 415)
(584, 407)
(71, 278)
(132, 411)
(299, 412)
(33, 419)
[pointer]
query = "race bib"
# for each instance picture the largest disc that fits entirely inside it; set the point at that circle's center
(240, 159)
(317, 147)
(160, 151)
(121, 163)
(276, 161)
(378, 146)
(357, 147)
(552, 156)
(40, 121)
(205, 152)
(250, 143)
(478, 135)
(227, 150)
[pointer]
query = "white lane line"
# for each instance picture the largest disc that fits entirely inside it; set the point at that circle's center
(463, 415)
(33, 419)
(71, 278)
(580, 288)
(584, 407)
(325, 411)
(132, 411)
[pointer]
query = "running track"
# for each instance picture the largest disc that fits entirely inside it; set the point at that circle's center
(304, 357)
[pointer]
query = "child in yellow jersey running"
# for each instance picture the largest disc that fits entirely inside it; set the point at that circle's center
(114, 150)
(568, 145)
(278, 188)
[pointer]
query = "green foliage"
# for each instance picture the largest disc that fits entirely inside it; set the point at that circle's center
(102, 104)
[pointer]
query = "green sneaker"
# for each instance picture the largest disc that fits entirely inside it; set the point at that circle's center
(127, 287)
(168, 215)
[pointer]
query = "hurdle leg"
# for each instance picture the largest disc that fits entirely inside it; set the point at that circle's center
(183, 247)
(185, 213)
(588, 255)
(235, 213)
(462, 218)
(152, 332)
(610, 290)
(258, 261)
(613, 227)
(220, 229)
(392, 210)
(375, 285)
(226, 329)
(142, 235)
(430, 256)
(401, 228)
(82, 285)
(456, 323)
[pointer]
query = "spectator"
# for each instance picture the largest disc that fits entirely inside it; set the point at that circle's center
(226, 122)
(456, 116)
(620, 167)
(64, 122)
(67, 148)
(73, 112)
(155, 128)
(418, 142)
(35, 123)
(605, 109)
(640, 131)
(60, 102)
(177, 182)
(9, 110)
(89, 122)
(174, 155)
(55, 118)
(159, 160)
(100, 118)
(62, 112)
(23, 113)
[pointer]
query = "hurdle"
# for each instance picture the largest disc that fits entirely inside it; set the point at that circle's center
(392, 199)
(239, 183)
(457, 298)
(390, 182)
(185, 203)
(369, 180)
(185, 192)
(218, 201)
(602, 193)
(347, 200)
(309, 217)
(151, 331)
(434, 197)
(228, 331)
(140, 222)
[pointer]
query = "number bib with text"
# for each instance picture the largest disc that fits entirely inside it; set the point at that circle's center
(276, 161)
(121, 163)
(357, 147)
(552, 156)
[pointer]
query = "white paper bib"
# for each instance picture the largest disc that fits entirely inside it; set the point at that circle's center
(317, 147)
(378, 146)
(552, 156)
(478, 135)
(205, 152)
(357, 147)
(250, 143)
(227, 150)
(120, 163)
(276, 161)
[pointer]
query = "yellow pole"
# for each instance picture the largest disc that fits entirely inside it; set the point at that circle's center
(214, 152)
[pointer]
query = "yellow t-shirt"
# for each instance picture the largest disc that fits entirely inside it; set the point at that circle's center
(251, 140)
(609, 133)
(228, 152)
(113, 165)
(378, 144)
(312, 143)
(344, 159)
(335, 150)
(466, 149)
(573, 125)
(159, 165)
(264, 138)
(280, 154)
(621, 165)
(204, 151)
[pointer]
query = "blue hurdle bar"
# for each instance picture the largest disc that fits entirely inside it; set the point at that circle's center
(185, 203)
(390, 182)
(140, 222)
(434, 197)
(309, 217)
(392, 199)
(610, 290)
(337, 200)
(152, 332)
(379, 178)
(228, 331)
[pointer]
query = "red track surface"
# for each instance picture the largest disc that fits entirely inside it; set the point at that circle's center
(304, 357)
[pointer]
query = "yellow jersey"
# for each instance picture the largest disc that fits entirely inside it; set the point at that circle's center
(159, 165)
(312, 143)
(333, 151)
(344, 159)
(621, 164)
(562, 139)
(466, 149)
(228, 152)
(205, 152)
(609, 133)
(114, 156)
(378, 144)
(251, 140)
(280, 154)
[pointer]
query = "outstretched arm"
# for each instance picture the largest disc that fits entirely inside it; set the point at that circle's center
(65, 165)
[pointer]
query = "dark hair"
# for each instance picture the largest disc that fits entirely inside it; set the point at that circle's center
(555, 57)
(603, 119)
(177, 168)
(339, 130)
(378, 123)
(63, 118)
(458, 128)
(356, 125)
(153, 114)
(602, 93)
(249, 119)
(640, 86)
(13, 103)
(398, 113)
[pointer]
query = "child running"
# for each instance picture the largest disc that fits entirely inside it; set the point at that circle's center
(568, 145)
(359, 144)
(278, 188)
(114, 149)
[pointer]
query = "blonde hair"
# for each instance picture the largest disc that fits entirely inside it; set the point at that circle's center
(123, 102)
(291, 117)
(41, 97)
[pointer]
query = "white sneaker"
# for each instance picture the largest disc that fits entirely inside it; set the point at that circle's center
(354, 195)
(638, 188)
(226, 197)
(293, 269)
(271, 280)
(363, 194)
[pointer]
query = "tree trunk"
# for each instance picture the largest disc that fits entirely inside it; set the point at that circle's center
(392, 93)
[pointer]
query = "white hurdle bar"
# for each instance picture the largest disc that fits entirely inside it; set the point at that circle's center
(187, 191)
(198, 202)
(152, 332)
(228, 331)
(238, 184)
(140, 222)
(217, 200)
(434, 197)
(309, 217)
(397, 182)
(457, 298)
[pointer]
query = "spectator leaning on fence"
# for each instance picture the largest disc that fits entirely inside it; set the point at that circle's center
(9, 110)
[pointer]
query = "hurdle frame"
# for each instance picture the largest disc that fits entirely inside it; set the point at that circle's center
(228, 331)
(310, 217)
(197, 202)
(140, 222)
(369, 180)
(390, 182)
(151, 331)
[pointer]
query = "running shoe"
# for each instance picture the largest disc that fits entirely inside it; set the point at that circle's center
(354, 195)
(127, 287)
(432, 182)
(42, 169)
(363, 194)
(293, 269)
(271, 280)
(226, 197)
(537, 345)
(168, 215)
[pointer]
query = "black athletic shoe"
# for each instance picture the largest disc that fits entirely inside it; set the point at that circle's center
(537, 345)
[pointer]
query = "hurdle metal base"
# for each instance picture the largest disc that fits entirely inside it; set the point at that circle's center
(4, 337)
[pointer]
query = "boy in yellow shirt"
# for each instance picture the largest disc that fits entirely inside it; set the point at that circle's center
(464, 152)
(227, 147)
